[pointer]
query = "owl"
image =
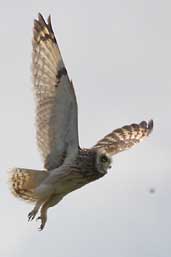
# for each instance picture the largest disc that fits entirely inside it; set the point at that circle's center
(67, 166)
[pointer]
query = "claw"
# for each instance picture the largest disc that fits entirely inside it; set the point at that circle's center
(31, 215)
(43, 222)
(41, 227)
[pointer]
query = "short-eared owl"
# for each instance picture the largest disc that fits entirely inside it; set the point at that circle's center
(67, 167)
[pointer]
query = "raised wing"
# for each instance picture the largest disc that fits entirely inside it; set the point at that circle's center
(56, 106)
(124, 138)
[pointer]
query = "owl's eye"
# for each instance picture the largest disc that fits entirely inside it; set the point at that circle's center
(104, 158)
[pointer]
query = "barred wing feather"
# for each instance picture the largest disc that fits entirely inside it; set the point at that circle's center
(56, 106)
(124, 138)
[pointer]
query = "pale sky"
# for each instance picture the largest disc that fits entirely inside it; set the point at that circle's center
(118, 55)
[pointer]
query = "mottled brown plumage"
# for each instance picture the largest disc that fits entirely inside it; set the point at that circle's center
(67, 166)
(82, 171)
(125, 137)
(24, 181)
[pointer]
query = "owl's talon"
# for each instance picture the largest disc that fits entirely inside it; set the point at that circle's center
(41, 227)
(31, 215)
(43, 222)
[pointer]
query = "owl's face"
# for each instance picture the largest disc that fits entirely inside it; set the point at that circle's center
(103, 162)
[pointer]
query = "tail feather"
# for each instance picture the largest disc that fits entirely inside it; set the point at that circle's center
(24, 181)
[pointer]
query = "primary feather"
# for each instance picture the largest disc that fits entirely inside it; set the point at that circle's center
(124, 138)
(56, 106)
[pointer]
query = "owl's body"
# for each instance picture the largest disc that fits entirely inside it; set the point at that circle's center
(81, 171)
(67, 167)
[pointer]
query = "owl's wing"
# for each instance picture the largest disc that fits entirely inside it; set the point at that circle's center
(124, 138)
(56, 106)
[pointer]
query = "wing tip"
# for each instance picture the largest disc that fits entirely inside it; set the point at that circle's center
(40, 24)
(40, 19)
(148, 125)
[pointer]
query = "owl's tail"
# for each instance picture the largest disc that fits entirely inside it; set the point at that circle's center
(24, 181)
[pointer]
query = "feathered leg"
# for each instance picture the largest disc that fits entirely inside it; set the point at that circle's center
(51, 201)
(33, 213)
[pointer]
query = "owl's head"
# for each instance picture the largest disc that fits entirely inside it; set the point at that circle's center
(103, 162)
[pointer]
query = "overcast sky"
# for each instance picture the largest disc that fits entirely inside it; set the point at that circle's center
(118, 55)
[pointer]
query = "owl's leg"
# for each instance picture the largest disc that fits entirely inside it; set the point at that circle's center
(51, 201)
(33, 213)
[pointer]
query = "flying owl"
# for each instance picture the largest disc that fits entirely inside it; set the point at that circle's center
(67, 167)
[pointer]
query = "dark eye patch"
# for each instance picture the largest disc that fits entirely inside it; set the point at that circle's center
(104, 158)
